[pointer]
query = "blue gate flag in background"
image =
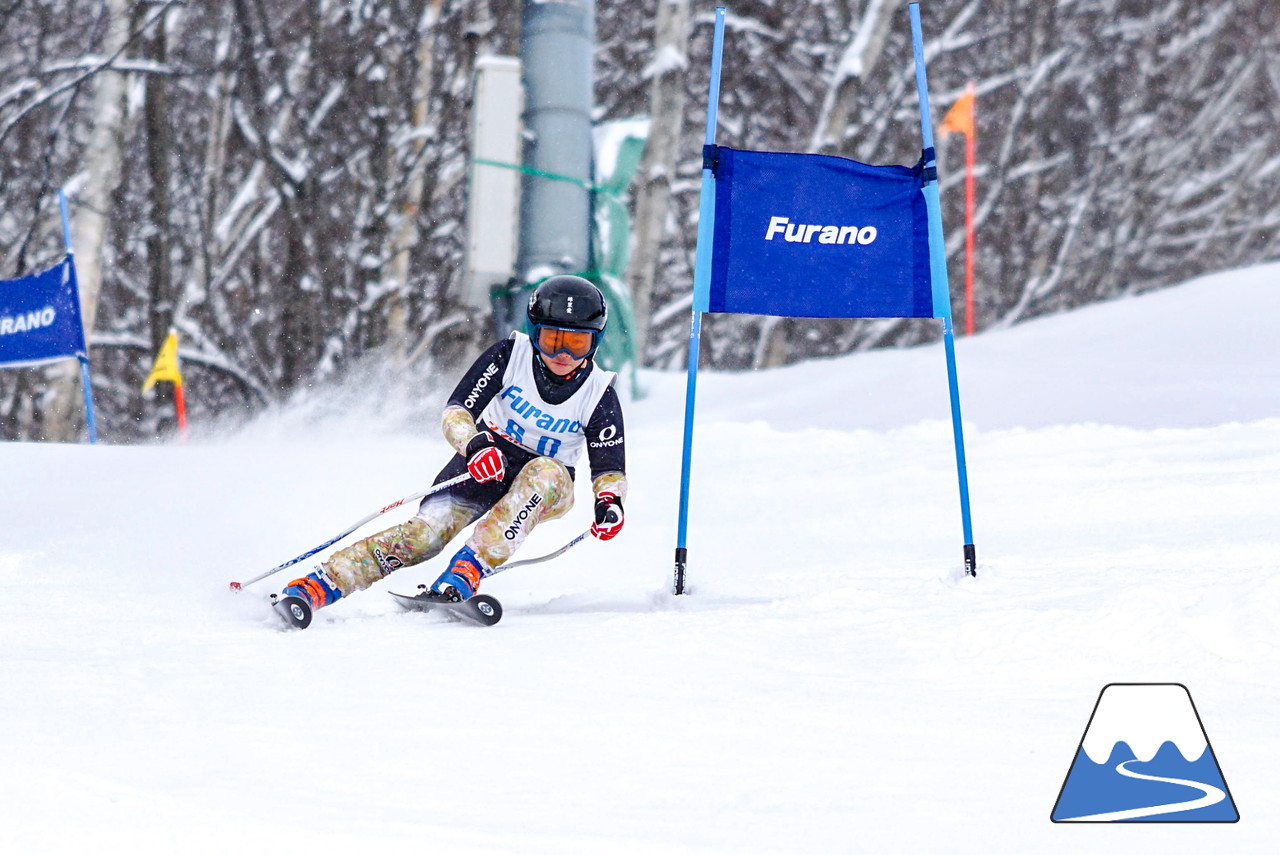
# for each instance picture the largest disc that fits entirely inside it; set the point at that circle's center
(40, 317)
(818, 236)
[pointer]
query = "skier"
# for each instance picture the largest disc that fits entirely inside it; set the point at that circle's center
(519, 420)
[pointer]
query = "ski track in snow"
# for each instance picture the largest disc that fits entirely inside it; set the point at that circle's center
(1125, 472)
(1211, 795)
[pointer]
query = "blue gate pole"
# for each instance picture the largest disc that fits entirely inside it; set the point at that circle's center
(941, 288)
(701, 287)
(83, 356)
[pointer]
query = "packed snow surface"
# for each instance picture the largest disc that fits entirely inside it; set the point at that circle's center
(833, 683)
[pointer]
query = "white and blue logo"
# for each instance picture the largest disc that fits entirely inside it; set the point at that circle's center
(1145, 757)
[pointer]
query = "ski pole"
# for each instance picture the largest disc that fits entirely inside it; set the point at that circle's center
(236, 586)
(527, 561)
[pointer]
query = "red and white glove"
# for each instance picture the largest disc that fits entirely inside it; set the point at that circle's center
(609, 517)
(484, 459)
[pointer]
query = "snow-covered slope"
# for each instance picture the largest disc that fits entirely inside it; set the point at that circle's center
(1197, 355)
(832, 684)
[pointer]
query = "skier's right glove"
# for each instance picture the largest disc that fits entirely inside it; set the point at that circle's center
(484, 459)
(608, 516)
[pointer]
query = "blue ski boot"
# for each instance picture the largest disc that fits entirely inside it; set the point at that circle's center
(461, 580)
(303, 596)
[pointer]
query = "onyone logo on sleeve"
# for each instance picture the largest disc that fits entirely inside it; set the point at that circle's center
(608, 438)
(805, 232)
(480, 385)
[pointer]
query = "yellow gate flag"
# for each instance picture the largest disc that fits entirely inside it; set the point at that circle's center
(166, 367)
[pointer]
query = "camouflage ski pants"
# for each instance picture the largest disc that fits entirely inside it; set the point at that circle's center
(541, 490)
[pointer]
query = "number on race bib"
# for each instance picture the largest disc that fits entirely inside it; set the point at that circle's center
(515, 431)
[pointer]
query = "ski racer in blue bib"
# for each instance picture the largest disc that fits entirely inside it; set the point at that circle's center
(519, 420)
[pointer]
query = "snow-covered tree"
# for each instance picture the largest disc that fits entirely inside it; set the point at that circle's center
(285, 180)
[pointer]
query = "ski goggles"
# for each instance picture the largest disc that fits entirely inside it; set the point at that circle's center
(551, 341)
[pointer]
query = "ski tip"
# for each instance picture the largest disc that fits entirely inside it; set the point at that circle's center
(408, 601)
(235, 587)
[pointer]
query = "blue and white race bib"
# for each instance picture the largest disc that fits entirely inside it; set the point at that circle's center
(551, 430)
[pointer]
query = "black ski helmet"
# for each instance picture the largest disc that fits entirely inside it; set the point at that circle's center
(570, 302)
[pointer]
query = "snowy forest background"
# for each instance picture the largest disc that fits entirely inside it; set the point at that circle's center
(285, 180)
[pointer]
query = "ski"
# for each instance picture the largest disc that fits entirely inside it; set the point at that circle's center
(481, 609)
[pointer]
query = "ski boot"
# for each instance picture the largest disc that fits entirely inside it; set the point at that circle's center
(461, 580)
(303, 596)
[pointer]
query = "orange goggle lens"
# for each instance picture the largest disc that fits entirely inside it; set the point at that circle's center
(577, 343)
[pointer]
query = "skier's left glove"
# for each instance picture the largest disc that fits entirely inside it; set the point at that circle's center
(484, 458)
(608, 516)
